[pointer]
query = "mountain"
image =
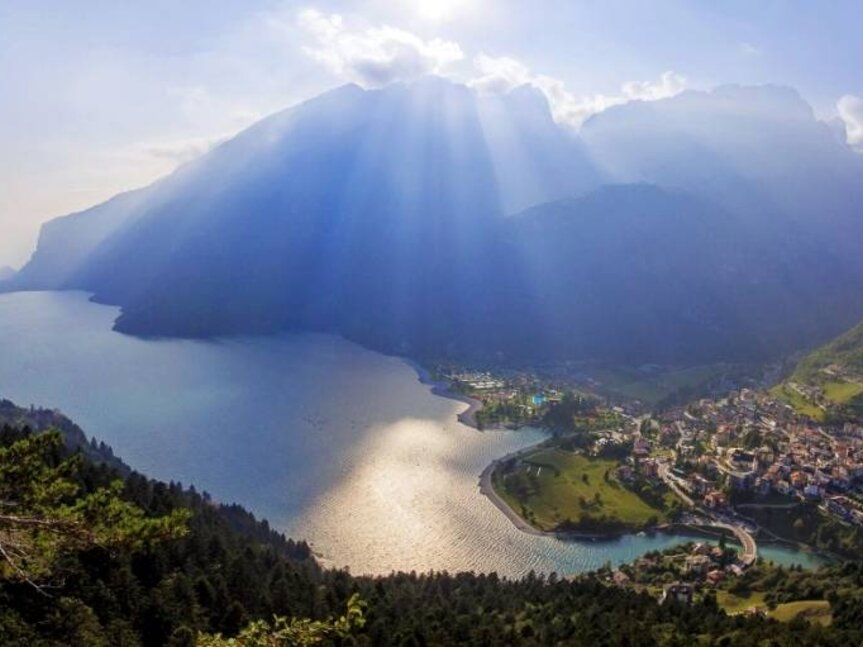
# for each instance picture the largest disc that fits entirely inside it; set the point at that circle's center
(373, 213)
(638, 271)
(712, 225)
(66, 243)
(757, 151)
(6, 273)
(534, 159)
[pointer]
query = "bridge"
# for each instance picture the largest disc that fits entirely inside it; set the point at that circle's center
(750, 548)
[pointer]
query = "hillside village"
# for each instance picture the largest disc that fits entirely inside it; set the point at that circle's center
(750, 443)
(749, 465)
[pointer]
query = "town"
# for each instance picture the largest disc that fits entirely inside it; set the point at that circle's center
(750, 447)
(747, 466)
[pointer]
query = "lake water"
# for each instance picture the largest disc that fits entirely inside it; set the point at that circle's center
(331, 442)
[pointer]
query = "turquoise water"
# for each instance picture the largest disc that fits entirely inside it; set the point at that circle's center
(790, 556)
(331, 442)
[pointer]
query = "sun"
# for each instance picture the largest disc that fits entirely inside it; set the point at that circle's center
(438, 10)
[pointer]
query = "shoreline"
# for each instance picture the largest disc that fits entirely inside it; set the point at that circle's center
(442, 389)
(468, 418)
(486, 487)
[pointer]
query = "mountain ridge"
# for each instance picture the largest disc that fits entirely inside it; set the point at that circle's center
(383, 216)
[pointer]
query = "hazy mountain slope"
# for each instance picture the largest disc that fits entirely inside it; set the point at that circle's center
(372, 213)
(381, 215)
(758, 151)
(639, 272)
(534, 159)
(65, 243)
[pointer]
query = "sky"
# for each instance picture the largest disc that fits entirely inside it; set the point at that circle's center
(99, 96)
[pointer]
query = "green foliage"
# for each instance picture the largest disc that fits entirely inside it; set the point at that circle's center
(299, 632)
(567, 414)
(132, 561)
(834, 372)
(44, 515)
(560, 490)
(216, 584)
(806, 524)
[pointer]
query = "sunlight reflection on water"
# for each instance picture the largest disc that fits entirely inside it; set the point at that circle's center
(331, 442)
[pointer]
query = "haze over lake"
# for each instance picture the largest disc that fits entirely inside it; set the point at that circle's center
(331, 442)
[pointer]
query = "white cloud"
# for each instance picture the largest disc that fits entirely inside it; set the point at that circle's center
(669, 84)
(499, 75)
(374, 56)
(503, 74)
(851, 112)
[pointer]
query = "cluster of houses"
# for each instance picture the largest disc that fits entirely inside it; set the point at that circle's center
(705, 565)
(525, 390)
(753, 443)
(476, 381)
(702, 566)
(641, 465)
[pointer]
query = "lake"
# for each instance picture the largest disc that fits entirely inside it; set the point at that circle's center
(331, 442)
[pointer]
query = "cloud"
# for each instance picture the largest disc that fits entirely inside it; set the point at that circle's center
(851, 112)
(377, 55)
(669, 84)
(499, 75)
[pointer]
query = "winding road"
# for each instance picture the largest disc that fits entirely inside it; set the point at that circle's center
(750, 548)
(743, 536)
(665, 474)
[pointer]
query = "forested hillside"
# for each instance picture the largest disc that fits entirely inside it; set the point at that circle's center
(225, 569)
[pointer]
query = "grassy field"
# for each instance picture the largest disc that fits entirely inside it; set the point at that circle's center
(838, 392)
(801, 404)
(811, 610)
(842, 392)
(845, 352)
(735, 604)
(551, 486)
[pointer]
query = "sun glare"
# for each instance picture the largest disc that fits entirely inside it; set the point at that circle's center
(438, 10)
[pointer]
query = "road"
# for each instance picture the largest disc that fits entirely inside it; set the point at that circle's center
(747, 541)
(750, 549)
(664, 470)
